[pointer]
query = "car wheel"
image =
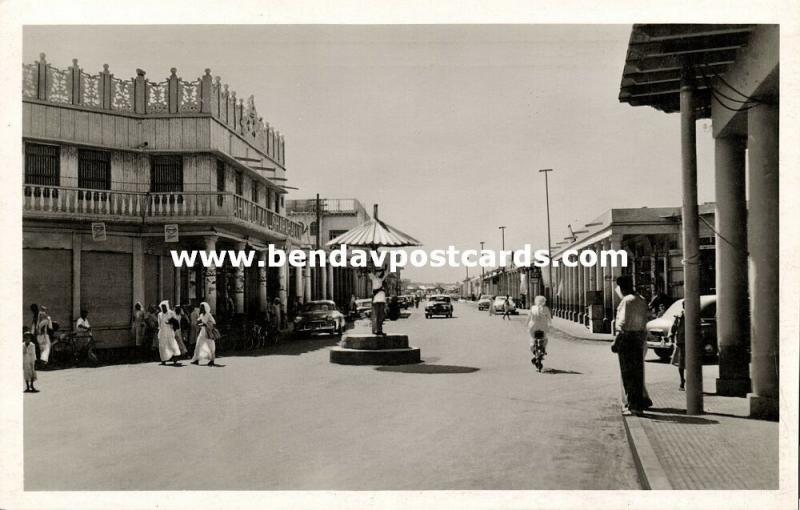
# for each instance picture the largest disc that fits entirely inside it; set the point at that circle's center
(664, 354)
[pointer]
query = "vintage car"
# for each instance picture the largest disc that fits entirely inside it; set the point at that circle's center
(484, 302)
(499, 302)
(438, 305)
(363, 308)
(319, 317)
(659, 331)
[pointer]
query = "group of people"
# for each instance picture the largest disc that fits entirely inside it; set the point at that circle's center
(169, 330)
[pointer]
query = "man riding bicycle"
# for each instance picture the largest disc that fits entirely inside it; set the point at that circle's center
(539, 323)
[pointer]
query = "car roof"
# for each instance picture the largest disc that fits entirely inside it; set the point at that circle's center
(321, 302)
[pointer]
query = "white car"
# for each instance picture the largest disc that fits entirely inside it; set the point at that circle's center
(499, 303)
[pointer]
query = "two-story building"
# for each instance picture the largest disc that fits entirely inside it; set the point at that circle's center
(118, 172)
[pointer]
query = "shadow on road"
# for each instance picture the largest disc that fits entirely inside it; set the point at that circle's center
(558, 371)
(289, 348)
(675, 415)
(428, 369)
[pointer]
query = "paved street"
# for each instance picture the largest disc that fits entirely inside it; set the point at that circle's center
(475, 415)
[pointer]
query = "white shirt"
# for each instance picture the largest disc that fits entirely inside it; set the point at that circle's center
(539, 319)
(377, 285)
(632, 314)
(82, 322)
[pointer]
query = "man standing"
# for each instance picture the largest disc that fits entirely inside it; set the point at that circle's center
(378, 300)
(630, 341)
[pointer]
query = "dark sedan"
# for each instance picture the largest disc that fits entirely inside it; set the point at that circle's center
(319, 317)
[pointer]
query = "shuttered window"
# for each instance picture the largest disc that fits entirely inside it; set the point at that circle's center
(166, 174)
(254, 198)
(94, 169)
(42, 164)
(220, 181)
(239, 183)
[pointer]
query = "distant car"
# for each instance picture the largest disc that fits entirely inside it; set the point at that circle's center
(484, 302)
(406, 300)
(499, 302)
(319, 317)
(659, 331)
(363, 307)
(438, 305)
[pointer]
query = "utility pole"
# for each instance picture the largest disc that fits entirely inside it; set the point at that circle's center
(549, 253)
(317, 274)
(482, 268)
(503, 283)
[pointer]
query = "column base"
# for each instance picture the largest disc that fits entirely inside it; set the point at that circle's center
(733, 387)
(763, 408)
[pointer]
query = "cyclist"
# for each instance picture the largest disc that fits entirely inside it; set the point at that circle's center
(539, 320)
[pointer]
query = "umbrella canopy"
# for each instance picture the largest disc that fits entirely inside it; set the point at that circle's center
(374, 234)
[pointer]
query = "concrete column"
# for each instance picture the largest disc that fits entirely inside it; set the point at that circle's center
(608, 292)
(238, 282)
(575, 293)
(307, 293)
(77, 246)
(615, 243)
(581, 294)
(762, 237)
(160, 278)
(299, 284)
(329, 270)
(283, 279)
(691, 251)
(262, 282)
(598, 279)
(138, 271)
(211, 275)
(177, 281)
(733, 325)
(324, 285)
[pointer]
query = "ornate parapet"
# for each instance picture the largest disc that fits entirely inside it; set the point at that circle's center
(173, 96)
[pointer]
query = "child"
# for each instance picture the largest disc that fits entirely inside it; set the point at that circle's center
(29, 362)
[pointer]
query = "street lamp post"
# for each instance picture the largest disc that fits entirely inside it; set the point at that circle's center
(482, 268)
(549, 253)
(503, 282)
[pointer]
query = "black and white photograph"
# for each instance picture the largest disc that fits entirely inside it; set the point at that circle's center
(284, 260)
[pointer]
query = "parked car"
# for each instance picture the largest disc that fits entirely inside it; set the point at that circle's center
(499, 302)
(363, 307)
(439, 305)
(406, 300)
(484, 302)
(319, 317)
(659, 331)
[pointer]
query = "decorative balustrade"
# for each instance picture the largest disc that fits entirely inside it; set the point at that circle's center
(121, 205)
(173, 96)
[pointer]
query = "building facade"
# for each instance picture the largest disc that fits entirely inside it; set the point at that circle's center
(118, 172)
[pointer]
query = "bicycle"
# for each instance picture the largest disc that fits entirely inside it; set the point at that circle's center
(73, 348)
(538, 350)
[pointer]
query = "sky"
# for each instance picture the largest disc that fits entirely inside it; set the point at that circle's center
(444, 126)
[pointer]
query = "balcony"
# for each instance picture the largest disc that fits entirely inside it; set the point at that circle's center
(76, 204)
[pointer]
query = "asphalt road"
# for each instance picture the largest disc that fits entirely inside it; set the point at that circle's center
(474, 415)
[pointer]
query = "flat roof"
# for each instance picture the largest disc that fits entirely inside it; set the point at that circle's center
(658, 53)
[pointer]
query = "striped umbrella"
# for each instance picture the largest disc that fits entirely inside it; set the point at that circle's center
(374, 234)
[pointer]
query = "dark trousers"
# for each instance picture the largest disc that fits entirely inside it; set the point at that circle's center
(378, 316)
(631, 366)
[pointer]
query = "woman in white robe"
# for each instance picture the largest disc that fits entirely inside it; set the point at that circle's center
(43, 335)
(167, 346)
(206, 347)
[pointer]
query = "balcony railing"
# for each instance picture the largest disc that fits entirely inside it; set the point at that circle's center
(57, 201)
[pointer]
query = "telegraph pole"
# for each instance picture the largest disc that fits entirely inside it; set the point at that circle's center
(545, 171)
(482, 268)
(503, 283)
(317, 274)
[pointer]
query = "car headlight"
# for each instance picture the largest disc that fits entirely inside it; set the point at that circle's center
(298, 320)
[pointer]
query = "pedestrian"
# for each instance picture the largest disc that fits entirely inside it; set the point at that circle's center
(151, 328)
(353, 307)
(34, 326)
(44, 326)
(277, 319)
(168, 349)
(206, 345)
(629, 344)
(179, 331)
(377, 278)
(137, 329)
(539, 319)
(679, 339)
(194, 329)
(29, 362)
(507, 308)
(84, 339)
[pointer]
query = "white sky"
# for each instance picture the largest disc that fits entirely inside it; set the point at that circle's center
(444, 126)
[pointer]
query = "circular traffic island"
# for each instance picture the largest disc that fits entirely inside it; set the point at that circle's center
(369, 349)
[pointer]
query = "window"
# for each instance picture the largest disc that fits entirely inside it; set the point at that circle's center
(335, 233)
(255, 192)
(166, 176)
(220, 181)
(239, 183)
(42, 164)
(277, 203)
(312, 229)
(94, 169)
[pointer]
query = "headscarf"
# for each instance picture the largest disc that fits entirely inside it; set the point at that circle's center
(539, 301)
(141, 307)
(164, 303)
(206, 309)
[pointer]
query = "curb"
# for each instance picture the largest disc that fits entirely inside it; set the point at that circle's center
(651, 473)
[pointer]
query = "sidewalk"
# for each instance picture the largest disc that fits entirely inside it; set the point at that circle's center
(576, 330)
(720, 450)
